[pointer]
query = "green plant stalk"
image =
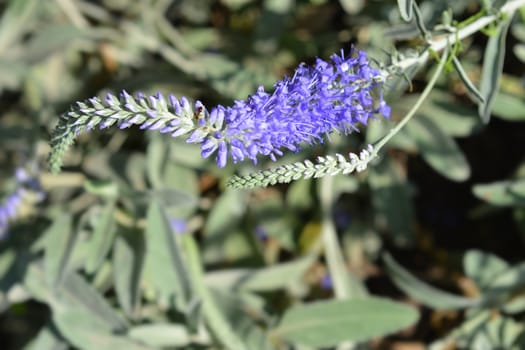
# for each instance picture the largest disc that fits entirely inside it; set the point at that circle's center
(332, 252)
(332, 248)
(417, 105)
(218, 324)
(463, 32)
(345, 285)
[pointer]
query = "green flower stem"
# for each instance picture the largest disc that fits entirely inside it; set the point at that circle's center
(332, 252)
(345, 285)
(417, 105)
(464, 32)
(215, 319)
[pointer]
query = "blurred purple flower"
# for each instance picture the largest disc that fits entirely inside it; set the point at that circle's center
(178, 226)
(261, 233)
(10, 207)
(342, 218)
(326, 282)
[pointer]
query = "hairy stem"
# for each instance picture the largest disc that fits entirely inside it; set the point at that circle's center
(464, 32)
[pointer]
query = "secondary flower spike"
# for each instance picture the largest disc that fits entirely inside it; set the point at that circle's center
(11, 205)
(333, 96)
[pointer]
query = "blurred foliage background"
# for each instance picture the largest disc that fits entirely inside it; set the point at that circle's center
(95, 257)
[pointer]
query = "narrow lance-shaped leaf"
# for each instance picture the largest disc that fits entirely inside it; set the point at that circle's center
(264, 279)
(161, 335)
(163, 266)
(102, 238)
(86, 332)
(510, 280)
(420, 22)
(509, 106)
(468, 83)
(502, 193)
(483, 267)
(438, 149)
(328, 323)
(405, 9)
(14, 21)
(492, 68)
(391, 200)
(423, 292)
(47, 339)
(60, 240)
(212, 314)
(128, 258)
(76, 293)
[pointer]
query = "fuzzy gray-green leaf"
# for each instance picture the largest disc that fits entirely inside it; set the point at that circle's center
(405, 9)
(128, 258)
(438, 149)
(164, 268)
(423, 292)
(102, 238)
(59, 245)
(328, 323)
(493, 60)
(467, 82)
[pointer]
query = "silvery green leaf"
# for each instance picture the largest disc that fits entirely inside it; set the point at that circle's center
(214, 316)
(47, 339)
(16, 21)
(509, 106)
(86, 332)
(519, 51)
(392, 200)
(483, 267)
(466, 80)
(509, 280)
(420, 22)
(352, 6)
(423, 292)
(502, 193)
(492, 69)
(405, 9)
(102, 238)
(75, 293)
(438, 149)
(328, 323)
(262, 279)
(128, 260)
(164, 267)
(453, 118)
(161, 335)
(61, 237)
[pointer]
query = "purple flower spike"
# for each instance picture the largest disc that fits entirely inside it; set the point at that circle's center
(337, 95)
(329, 97)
